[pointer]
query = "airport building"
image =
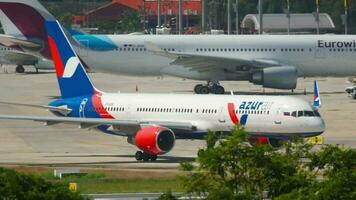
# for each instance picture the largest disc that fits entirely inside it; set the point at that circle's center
(112, 11)
(278, 23)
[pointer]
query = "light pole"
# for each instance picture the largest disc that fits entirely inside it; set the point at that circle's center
(260, 13)
(158, 13)
(228, 17)
(317, 17)
(346, 5)
(203, 16)
(288, 16)
(180, 16)
(237, 16)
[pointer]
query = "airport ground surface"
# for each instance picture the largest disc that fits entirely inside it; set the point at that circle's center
(31, 143)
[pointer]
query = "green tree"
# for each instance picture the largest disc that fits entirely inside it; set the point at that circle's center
(231, 168)
(337, 169)
(130, 21)
(20, 186)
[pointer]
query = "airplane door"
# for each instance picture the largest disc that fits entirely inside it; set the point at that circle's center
(83, 48)
(222, 115)
(82, 108)
(278, 119)
(127, 110)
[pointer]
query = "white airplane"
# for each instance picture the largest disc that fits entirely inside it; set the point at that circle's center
(153, 122)
(273, 61)
(11, 56)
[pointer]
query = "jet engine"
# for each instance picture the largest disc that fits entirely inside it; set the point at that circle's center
(154, 140)
(284, 77)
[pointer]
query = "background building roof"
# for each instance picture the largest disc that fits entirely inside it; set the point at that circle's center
(276, 22)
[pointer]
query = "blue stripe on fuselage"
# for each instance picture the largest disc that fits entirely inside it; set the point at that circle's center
(95, 42)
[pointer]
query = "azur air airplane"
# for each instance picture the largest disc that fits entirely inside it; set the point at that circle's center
(273, 61)
(153, 122)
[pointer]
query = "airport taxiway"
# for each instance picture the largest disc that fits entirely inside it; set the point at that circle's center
(31, 143)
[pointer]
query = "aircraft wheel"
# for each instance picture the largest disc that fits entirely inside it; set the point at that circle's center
(204, 90)
(145, 157)
(139, 155)
(197, 88)
(153, 157)
(219, 89)
(20, 69)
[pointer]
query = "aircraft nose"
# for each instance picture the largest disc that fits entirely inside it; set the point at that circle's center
(318, 125)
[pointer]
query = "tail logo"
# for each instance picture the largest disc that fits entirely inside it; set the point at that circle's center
(71, 66)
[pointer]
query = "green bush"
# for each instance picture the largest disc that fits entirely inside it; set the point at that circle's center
(14, 185)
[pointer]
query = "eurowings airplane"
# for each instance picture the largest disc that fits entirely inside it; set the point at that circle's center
(153, 122)
(12, 56)
(273, 61)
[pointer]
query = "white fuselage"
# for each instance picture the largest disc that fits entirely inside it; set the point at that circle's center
(312, 55)
(266, 115)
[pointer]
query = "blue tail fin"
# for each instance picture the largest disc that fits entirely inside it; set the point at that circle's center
(316, 100)
(72, 78)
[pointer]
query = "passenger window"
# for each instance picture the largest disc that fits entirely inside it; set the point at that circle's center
(309, 113)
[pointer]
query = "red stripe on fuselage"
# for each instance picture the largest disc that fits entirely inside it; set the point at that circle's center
(100, 109)
(56, 57)
(233, 116)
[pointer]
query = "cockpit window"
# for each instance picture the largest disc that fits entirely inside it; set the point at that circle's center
(300, 113)
(309, 114)
(294, 114)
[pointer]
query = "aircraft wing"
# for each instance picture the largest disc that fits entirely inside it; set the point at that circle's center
(202, 63)
(10, 41)
(18, 57)
(95, 122)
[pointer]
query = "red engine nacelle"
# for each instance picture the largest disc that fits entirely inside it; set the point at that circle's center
(258, 140)
(265, 140)
(155, 140)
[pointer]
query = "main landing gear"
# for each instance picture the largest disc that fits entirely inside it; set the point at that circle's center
(145, 156)
(211, 87)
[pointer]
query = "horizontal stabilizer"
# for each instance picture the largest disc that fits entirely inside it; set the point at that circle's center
(61, 109)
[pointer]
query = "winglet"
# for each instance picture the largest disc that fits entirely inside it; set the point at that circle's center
(316, 99)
